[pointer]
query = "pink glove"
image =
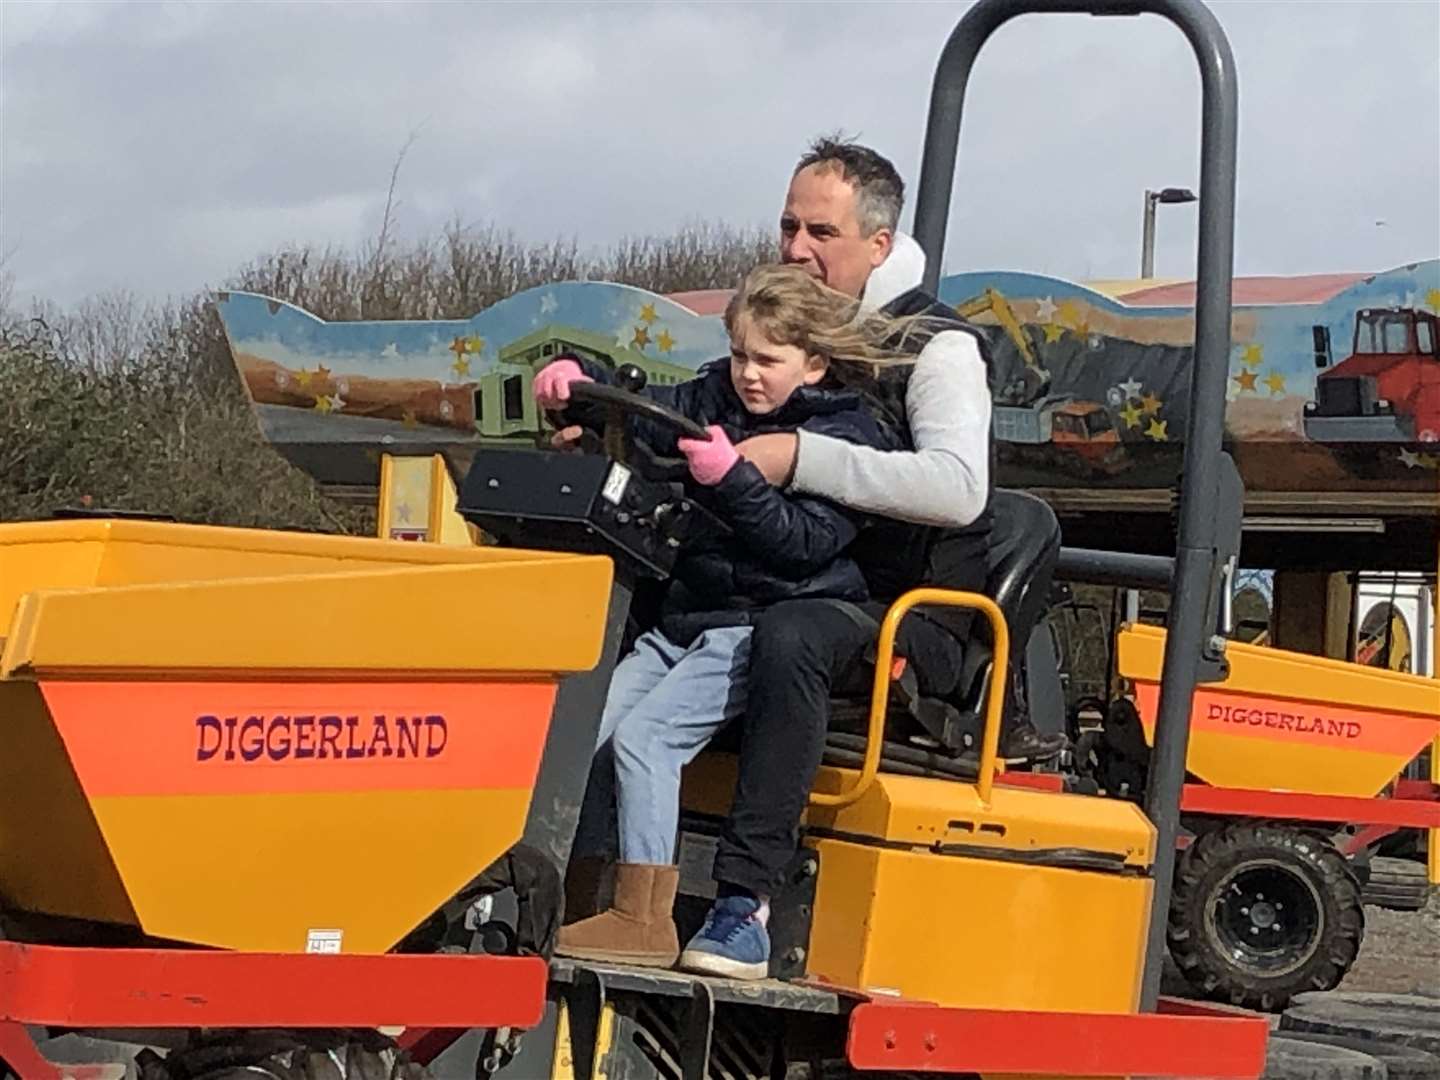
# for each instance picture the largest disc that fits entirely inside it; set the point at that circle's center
(552, 384)
(710, 459)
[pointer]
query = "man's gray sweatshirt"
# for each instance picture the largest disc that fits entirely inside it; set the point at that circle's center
(945, 480)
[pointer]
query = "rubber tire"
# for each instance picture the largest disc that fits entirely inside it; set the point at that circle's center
(1311, 856)
(1397, 884)
(1292, 1059)
(1403, 1019)
(1401, 1062)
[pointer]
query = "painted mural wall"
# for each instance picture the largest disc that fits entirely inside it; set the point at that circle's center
(1340, 394)
(333, 396)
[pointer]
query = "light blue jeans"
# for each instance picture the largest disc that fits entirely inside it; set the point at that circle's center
(666, 703)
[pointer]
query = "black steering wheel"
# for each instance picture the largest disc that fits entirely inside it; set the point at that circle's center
(624, 398)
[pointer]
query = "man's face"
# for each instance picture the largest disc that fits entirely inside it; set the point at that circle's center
(820, 231)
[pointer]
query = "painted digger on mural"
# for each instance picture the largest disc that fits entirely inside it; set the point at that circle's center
(277, 802)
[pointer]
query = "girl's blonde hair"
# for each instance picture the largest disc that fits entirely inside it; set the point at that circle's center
(790, 307)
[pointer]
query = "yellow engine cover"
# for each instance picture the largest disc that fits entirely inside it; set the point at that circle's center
(1036, 901)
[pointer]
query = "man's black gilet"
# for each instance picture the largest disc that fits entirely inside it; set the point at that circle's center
(897, 556)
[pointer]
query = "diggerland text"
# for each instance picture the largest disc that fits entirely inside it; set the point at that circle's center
(332, 738)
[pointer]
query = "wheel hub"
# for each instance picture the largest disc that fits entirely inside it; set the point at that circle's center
(1263, 915)
(1267, 917)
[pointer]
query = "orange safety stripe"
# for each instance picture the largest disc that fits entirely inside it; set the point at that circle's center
(192, 738)
(1313, 723)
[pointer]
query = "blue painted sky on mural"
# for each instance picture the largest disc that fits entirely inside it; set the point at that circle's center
(158, 147)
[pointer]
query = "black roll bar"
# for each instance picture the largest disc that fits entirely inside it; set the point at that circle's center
(1189, 633)
(1118, 568)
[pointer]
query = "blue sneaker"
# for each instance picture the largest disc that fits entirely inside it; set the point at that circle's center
(733, 943)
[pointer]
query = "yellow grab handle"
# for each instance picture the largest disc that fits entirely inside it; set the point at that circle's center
(880, 692)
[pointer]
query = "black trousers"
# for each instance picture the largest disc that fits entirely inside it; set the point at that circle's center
(802, 653)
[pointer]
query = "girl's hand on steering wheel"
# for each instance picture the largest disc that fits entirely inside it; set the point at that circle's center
(552, 384)
(710, 459)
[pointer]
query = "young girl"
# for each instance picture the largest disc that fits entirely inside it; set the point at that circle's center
(791, 338)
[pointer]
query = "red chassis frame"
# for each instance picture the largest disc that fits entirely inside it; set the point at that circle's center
(437, 998)
(181, 988)
(1182, 1039)
(1413, 804)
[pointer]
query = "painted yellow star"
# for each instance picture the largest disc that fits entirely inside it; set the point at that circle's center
(1150, 404)
(459, 347)
(1253, 355)
(1411, 460)
(1131, 415)
(647, 314)
(1156, 430)
(665, 342)
(461, 367)
(1276, 382)
(1246, 379)
(641, 338)
(302, 379)
(1053, 332)
(475, 344)
(408, 418)
(1433, 299)
(1069, 312)
(323, 404)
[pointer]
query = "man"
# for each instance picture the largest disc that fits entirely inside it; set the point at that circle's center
(839, 223)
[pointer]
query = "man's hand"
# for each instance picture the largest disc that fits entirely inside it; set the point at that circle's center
(773, 455)
(567, 438)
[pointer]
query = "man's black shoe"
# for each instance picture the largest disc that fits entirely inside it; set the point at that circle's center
(1022, 744)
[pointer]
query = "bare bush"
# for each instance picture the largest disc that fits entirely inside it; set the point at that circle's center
(701, 256)
(130, 409)
(469, 268)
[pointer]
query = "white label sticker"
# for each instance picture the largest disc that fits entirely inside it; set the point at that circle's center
(697, 860)
(323, 941)
(616, 483)
(479, 912)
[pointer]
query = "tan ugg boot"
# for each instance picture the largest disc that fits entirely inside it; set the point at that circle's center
(585, 881)
(638, 928)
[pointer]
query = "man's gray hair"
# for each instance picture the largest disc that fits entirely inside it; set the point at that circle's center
(879, 191)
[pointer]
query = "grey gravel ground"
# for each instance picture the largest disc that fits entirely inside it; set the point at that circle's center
(1401, 954)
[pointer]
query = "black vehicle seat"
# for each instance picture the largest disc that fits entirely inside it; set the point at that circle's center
(940, 737)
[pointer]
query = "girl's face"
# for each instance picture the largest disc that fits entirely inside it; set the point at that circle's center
(765, 374)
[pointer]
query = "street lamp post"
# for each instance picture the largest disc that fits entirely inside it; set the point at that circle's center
(1147, 239)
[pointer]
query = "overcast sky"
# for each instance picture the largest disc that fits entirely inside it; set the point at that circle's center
(157, 147)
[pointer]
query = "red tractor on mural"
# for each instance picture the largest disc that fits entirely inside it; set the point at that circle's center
(1388, 390)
